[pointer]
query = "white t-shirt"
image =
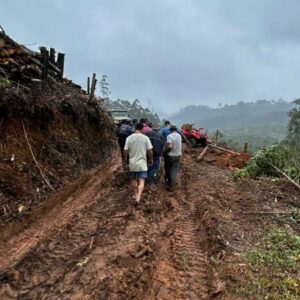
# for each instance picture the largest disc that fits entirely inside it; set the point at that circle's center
(137, 144)
(174, 138)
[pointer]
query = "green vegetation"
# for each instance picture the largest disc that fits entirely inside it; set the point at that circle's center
(293, 137)
(257, 136)
(261, 123)
(261, 163)
(273, 270)
(104, 87)
(135, 109)
(285, 156)
(4, 83)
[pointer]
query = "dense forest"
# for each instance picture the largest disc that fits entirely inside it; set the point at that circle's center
(135, 109)
(260, 123)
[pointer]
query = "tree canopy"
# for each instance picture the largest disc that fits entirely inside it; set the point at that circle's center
(135, 109)
(293, 137)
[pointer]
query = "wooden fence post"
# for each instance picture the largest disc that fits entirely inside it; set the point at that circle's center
(246, 147)
(93, 87)
(52, 55)
(88, 85)
(45, 56)
(60, 63)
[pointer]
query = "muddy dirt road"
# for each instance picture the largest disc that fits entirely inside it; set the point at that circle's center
(98, 245)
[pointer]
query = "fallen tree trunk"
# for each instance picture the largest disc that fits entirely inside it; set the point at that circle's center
(201, 155)
(286, 176)
(223, 149)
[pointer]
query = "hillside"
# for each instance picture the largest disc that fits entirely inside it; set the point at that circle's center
(263, 122)
(50, 134)
(70, 228)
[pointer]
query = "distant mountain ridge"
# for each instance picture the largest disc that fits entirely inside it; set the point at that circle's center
(239, 114)
(262, 119)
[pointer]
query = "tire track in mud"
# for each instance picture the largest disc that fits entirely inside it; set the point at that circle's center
(111, 250)
(190, 261)
(183, 271)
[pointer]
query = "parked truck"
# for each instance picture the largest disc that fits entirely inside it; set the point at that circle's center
(119, 115)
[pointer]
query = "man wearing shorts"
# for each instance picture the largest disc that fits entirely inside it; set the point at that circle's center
(138, 148)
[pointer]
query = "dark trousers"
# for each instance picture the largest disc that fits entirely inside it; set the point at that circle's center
(171, 168)
(152, 170)
(122, 140)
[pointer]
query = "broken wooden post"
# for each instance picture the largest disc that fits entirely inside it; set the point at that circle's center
(246, 147)
(52, 55)
(201, 155)
(88, 85)
(45, 60)
(60, 63)
(93, 87)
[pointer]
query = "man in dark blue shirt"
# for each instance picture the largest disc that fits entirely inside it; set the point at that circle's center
(157, 142)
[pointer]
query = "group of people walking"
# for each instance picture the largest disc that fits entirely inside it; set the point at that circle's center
(142, 145)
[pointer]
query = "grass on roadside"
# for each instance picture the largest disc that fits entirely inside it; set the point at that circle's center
(273, 271)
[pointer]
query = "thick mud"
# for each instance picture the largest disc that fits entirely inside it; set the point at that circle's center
(98, 245)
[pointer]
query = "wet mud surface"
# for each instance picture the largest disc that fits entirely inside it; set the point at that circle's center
(98, 245)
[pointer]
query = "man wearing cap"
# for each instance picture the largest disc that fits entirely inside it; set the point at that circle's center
(173, 152)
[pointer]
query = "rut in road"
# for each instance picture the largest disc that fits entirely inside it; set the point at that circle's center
(112, 250)
(182, 272)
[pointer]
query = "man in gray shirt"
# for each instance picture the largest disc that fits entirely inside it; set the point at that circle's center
(173, 152)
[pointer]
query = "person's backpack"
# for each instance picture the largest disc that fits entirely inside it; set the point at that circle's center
(157, 143)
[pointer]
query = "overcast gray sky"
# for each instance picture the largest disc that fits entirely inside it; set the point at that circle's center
(170, 53)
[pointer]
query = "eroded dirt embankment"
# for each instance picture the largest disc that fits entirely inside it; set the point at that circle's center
(50, 134)
(173, 246)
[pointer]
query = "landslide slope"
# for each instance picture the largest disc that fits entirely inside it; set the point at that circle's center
(50, 133)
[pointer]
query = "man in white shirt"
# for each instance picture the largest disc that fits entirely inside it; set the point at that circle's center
(138, 148)
(173, 152)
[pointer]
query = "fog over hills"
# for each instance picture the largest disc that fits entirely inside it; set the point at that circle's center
(263, 121)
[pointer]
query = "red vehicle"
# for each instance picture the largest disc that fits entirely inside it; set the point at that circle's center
(194, 136)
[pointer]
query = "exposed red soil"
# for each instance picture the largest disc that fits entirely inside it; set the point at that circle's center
(68, 135)
(227, 159)
(97, 245)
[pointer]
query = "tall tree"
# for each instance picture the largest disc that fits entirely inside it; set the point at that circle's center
(104, 87)
(294, 127)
